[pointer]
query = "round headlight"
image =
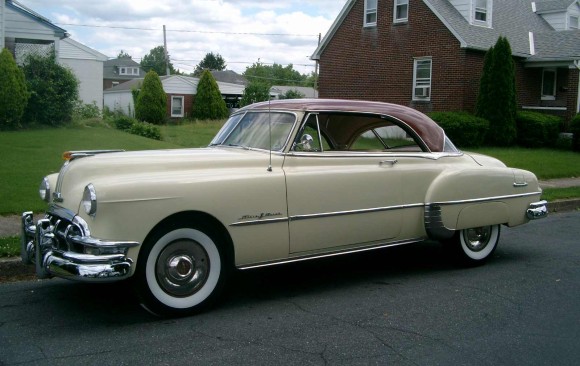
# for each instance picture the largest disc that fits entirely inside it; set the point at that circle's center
(44, 190)
(89, 201)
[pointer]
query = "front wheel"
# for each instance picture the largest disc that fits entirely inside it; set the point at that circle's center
(475, 245)
(181, 270)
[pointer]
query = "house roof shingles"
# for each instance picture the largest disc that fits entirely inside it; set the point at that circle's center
(548, 6)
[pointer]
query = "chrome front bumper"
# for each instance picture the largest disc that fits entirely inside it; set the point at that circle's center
(537, 210)
(60, 245)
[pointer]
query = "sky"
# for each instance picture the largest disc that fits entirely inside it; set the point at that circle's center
(241, 31)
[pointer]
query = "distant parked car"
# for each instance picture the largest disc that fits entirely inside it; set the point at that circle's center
(281, 182)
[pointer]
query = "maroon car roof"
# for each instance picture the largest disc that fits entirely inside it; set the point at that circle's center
(425, 127)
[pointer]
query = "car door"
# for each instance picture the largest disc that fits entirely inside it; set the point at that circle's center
(340, 198)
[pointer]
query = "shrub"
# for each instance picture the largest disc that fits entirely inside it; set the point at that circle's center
(13, 92)
(124, 123)
(209, 103)
(575, 129)
(86, 111)
(53, 88)
(131, 125)
(537, 129)
(464, 129)
(146, 130)
(152, 100)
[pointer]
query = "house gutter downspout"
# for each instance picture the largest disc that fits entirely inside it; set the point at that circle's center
(577, 64)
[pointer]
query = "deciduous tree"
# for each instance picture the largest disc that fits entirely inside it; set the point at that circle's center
(53, 91)
(155, 60)
(210, 62)
(256, 91)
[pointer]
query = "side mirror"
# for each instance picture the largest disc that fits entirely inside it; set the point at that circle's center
(305, 143)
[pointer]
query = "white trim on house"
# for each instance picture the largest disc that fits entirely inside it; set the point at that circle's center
(181, 105)
(401, 11)
(421, 83)
(370, 13)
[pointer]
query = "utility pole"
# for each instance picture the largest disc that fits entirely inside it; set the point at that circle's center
(165, 51)
(316, 68)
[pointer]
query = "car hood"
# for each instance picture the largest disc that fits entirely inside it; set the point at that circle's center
(130, 169)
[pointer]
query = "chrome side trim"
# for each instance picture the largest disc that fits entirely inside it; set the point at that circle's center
(330, 254)
(434, 223)
(352, 212)
(361, 154)
(486, 199)
(258, 222)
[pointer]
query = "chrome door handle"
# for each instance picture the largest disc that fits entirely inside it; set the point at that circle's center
(391, 162)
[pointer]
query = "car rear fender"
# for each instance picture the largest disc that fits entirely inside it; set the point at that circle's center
(465, 198)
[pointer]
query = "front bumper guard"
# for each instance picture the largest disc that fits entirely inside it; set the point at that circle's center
(50, 249)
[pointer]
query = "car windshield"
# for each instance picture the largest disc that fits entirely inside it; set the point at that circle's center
(259, 130)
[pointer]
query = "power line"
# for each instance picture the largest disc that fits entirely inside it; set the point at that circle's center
(189, 31)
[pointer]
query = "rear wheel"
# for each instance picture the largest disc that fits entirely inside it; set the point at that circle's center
(181, 270)
(475, 245)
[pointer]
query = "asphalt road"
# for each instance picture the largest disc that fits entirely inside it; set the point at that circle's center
(403, 306)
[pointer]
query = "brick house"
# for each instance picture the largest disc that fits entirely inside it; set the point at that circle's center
(428, 54)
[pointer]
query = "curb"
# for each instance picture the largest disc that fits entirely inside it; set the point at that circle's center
(564, 205)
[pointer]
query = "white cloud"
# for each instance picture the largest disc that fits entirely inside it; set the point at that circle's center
(241, 31)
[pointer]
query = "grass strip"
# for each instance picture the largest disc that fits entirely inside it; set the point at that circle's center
(9, 246)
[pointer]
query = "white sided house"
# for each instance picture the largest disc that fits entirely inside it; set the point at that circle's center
(87, 65)
(180, 91)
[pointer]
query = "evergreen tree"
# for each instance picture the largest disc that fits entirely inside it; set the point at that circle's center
(53, 91)
(498, 100)
(485, 93)
(255, 92)
(152, 100)
(13, 92)
(208, 103)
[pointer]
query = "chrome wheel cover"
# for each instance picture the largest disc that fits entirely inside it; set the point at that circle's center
(477, 239)
(182, 268)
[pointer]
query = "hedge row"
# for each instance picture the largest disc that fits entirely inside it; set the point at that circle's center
(575, 129)
(534, 129)
(464, 129)
(135, 127)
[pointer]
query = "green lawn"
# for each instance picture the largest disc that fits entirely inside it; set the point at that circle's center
(545, 163)
(27, 156)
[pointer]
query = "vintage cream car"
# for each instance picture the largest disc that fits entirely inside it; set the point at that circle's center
(282, 181)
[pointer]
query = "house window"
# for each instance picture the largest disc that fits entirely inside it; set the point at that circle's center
(422, 79)
(177, 106)
(401, 12)
(128, 71)
(573, 22)
(549, 84)
(482, 12)
(370, 13)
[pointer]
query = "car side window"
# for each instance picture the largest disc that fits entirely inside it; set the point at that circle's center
(310, 139)
(385, 138)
